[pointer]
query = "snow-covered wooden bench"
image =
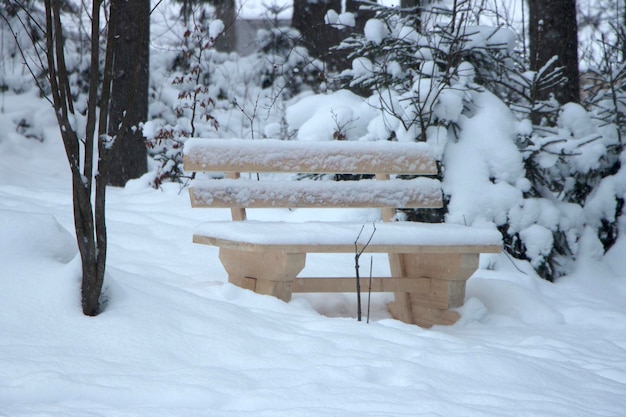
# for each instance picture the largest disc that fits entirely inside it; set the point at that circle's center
(429, 263)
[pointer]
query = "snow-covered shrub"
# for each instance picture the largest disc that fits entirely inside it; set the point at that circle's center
(562, 166)
(606, 99)
(16, 34)
(286, 67)
(421, 65)
(423, 70)
(22, 42)
(574, 157)
(534, 169)
(193, 108)
(207, 93)
(23, 65)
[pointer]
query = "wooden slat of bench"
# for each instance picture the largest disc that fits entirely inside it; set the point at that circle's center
(342, 248)
(429, 292)
(271, 155)
(339, 237)
(420, 192)
(340, 284)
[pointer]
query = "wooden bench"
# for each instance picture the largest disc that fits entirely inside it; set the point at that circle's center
(429, 263)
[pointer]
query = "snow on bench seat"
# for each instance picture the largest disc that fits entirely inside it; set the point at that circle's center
(340, 237)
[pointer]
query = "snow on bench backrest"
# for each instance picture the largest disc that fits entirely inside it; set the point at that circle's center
(416, 193)
(338, 157)
(233, 156)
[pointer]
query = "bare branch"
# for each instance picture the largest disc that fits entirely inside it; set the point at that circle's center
(357, 255)
(369, 290)
(24, 57)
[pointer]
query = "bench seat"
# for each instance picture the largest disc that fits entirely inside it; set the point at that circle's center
(340, 237)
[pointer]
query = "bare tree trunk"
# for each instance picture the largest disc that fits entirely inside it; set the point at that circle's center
(553, 31)
(317, 37)
(225, 11)
(129, 93)
(362, 16)
(88, 184)
(417, 6)
(82, 170)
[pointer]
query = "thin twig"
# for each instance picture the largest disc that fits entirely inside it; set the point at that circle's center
(155, 6)
(369, 290)
(357, 255)
(358, 279)
(512, 262)
(24, 56)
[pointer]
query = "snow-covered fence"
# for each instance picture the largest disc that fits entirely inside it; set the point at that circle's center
(429, 262)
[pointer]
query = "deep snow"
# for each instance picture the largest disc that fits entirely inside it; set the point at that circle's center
(177, 340)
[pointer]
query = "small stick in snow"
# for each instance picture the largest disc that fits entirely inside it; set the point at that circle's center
(369, 290)
(357, 255)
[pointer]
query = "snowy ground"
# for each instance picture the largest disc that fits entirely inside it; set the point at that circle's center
(177, 341)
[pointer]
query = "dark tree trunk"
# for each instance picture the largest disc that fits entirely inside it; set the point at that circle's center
(553, 31)
(362, 16)
(226, 12)
(406, 4)
(129, 93)
(317, 37)
(413, 5)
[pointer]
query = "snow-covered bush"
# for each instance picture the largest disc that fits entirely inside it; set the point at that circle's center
(23, 65)
(421, 69)
(193, 107)
(574, 158)
(22, 41)
(287, 68)
(538, 171)
(606, 99)
(207, 93)
(16, 32)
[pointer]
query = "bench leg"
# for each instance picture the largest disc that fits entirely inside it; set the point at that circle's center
(269, 273)
(445, 289)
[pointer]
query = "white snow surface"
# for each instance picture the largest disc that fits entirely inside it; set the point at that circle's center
(348, 233)
(319, 117)
(322, 156)
(176, 340)
(375, 31)
(366, 193)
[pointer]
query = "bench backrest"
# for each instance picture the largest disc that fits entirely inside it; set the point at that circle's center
(384, 159)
